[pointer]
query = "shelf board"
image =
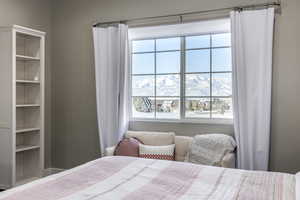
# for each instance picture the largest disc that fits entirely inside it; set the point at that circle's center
(25, 130)
(28, 81)
(27, 58)
(26, 180)
(27, 105)
(21, 148)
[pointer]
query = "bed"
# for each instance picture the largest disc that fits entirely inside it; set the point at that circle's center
(129, 178)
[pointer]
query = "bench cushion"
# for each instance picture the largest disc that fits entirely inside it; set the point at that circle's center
(152, 138)
(182, 144)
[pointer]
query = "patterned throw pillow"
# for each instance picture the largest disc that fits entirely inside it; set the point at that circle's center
(157, 152)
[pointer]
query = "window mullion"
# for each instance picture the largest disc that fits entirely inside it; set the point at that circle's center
(210, 82)
(155, 79)
(182, 77)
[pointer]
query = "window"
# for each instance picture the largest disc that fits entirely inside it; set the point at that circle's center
(186, 77)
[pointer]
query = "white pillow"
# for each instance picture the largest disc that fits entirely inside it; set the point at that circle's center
(157, 152)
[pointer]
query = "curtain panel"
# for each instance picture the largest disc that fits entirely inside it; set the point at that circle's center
(112, 79)
(252, 43)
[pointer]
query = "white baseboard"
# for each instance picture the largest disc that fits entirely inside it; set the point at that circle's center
(50, 171)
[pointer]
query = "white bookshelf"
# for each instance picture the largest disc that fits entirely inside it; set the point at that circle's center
(21, 105)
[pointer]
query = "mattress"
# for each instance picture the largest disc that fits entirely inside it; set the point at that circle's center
(129, 178)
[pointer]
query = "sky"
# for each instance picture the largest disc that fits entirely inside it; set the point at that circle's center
(197, 58)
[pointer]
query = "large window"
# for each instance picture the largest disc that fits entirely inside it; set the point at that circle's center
(186, 77)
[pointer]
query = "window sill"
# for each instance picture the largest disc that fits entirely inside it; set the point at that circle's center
(186, 121)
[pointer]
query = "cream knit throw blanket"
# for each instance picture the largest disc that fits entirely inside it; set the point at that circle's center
(209, 149)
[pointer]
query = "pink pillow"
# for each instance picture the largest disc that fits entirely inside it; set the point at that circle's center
(128, 147)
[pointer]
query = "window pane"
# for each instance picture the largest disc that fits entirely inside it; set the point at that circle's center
(221, 40)
(142, 45)
(221, 59)
(221, 84)
(143, 63)
(168, 85)
(143, 85)
(198, 61)
(168, 62)
(197, 84)
(142, 107)
(168, 44)
(197, 108)
(222, 108)
(167, 108)
(202, 41)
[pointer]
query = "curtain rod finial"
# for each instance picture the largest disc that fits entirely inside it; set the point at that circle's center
(239, 9)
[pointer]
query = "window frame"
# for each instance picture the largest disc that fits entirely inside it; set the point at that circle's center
(182, 73)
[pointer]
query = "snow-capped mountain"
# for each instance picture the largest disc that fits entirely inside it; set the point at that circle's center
(169, 85)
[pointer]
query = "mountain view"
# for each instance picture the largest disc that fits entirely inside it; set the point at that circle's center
(207, 94)
(169, 85)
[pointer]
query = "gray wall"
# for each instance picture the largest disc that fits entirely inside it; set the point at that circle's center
(285, 135)
(34, 14)
(74, 126)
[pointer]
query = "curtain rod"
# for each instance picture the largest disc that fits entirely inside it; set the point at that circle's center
(254, 6)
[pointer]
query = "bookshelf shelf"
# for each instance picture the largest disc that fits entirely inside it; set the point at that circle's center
(21, 148)
(26, 58)
(27, 82)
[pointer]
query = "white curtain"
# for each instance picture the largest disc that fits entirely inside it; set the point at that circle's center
(111, 69)
(252, 43)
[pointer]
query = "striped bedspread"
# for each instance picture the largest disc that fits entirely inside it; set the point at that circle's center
(128, 178)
